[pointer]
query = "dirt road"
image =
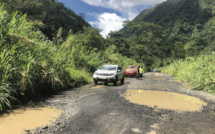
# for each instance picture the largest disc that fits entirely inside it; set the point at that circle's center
(123, 109)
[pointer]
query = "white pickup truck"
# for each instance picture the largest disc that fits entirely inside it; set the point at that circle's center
(109, 73)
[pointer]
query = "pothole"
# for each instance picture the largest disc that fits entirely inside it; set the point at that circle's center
(20, 121)
(152, 132)
(98, 86)
(164, 100)
(155, 126)
(136, 131)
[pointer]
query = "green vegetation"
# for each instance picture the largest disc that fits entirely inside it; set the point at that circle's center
(49, 16)
(188, 28)
(142, 43)
(46, 48)
(183, 38)
(198, 71)
(33, 66)
(186, 38)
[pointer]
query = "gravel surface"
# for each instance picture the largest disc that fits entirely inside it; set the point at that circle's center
(104, 110)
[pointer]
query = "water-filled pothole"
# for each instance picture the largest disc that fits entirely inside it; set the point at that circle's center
(98, 86)
(164, 100)
(28, 119)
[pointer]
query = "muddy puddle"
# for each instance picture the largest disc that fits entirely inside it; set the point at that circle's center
(20, 120)
(152, 132)
(98, 86)
(164, 100)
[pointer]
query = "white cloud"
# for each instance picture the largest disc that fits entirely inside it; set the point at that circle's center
(126, 7)
(108, 22)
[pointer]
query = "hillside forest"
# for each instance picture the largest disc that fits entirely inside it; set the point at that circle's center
(46, 48)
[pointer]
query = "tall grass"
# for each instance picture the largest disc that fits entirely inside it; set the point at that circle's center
(5, 85)
(198, 72)
(31, 65)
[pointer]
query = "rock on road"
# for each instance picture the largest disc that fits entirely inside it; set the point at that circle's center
(104, 110)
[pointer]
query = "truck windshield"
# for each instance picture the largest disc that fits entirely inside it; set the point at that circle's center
(109, 68)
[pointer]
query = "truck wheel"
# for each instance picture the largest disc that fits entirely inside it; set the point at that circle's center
(122, 81)
(95, 82)
(115, 82)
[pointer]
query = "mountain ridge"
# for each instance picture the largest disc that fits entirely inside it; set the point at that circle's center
(185, 21)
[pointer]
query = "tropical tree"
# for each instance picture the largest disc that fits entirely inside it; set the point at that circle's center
(145, 40)
(122, 44)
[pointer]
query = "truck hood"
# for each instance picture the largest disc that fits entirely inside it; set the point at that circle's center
(105, 72)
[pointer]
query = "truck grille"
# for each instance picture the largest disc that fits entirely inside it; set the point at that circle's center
(104, 74)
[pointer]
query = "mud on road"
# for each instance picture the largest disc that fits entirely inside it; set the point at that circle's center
(106, 109)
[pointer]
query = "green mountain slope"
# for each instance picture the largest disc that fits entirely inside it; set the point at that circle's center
(189, 22)
(49, 16)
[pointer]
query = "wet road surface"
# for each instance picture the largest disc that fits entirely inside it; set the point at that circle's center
(115, 110)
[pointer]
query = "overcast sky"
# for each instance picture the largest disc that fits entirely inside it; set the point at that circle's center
(108, 15)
